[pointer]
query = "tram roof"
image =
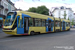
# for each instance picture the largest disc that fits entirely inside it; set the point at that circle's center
(41, 16)
(65, 20)
(57, 19)
(35, 15)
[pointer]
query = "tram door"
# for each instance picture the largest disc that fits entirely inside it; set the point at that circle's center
(26, 25)
(20, 25)
(49, 25)
(63, 25)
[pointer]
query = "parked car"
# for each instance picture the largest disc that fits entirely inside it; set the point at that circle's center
(74, 26)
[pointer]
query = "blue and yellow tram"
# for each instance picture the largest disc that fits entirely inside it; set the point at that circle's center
(28, 23)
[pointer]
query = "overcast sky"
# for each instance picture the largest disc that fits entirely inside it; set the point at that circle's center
(26, 4)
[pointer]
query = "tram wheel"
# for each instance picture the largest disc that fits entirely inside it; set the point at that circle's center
(32, 33)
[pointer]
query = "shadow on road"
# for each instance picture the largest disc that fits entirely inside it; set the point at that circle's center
(44, 34)
(55, 34)
(17, 35)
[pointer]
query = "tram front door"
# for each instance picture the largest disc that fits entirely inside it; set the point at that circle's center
(20, 25)
(26, 25)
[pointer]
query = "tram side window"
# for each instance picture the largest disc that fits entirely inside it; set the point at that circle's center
(22, 23)
(30, 21)
(69, 23)
(61, 24)
(66, 23)
(37, 22)
(52, 24)
(15, 23)
(43, 22)
(46, 23)
(18, 22)
(57, 24)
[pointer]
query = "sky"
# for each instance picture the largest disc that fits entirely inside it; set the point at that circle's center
(50, 4)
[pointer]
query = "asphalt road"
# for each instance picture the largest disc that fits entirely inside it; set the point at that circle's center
(51, 41)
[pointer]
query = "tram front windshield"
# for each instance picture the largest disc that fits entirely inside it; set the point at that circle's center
(9, 19)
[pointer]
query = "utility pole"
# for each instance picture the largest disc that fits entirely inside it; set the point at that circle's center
(50, 11)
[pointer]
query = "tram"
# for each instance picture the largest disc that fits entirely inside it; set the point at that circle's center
(29, 23)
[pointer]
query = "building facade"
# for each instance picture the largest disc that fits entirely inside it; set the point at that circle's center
(73, 19)
(63, 12)
(5, 7)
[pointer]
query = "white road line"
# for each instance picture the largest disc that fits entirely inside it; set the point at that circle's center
(12, 40)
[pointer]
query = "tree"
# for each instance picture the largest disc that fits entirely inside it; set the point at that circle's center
(68, 18)
(33, 9)
(40, 10)
(65, 15)
(72, 22)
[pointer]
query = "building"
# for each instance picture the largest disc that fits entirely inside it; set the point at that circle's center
(74, 19)
(63, 12)
(11, 6)
(17, 9)
(5, 7)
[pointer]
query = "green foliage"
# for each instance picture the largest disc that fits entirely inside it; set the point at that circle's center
(72, 23)
(68, 18)
(40, 10)
(65, 15)
(33, 9)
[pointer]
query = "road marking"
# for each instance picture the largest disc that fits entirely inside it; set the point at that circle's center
(12, 40)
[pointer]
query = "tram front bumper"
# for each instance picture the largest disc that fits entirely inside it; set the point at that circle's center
(12, 32)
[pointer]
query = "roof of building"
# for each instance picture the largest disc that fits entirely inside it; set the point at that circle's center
(10, 2)
(61, 8)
